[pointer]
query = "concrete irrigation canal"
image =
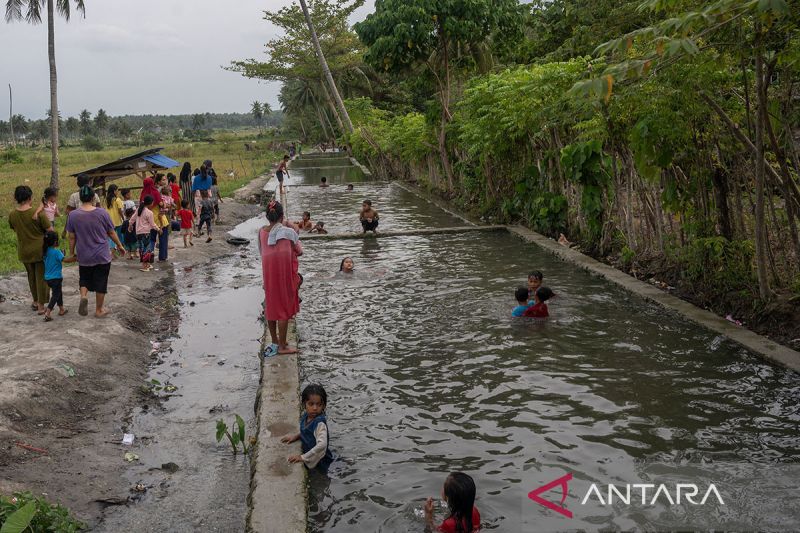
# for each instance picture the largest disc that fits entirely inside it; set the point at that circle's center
(426, 373)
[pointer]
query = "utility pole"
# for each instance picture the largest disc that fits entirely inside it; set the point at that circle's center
(11, 116)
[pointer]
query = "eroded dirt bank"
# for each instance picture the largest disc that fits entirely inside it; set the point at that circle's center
(70, 386)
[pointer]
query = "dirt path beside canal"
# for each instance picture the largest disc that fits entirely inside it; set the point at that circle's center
(70, 386)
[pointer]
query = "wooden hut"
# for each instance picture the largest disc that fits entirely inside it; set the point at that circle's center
(141, 164)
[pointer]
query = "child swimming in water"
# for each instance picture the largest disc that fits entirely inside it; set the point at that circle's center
(305, 224)
(369, 217)
(459, 493)
(535, 279)
(521, 295)
(313, 430)
(319, 227)
(539, 308)
(347, 266)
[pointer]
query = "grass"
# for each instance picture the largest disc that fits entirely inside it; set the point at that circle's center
(234, 165)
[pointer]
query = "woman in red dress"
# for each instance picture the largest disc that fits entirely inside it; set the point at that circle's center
(280, 247)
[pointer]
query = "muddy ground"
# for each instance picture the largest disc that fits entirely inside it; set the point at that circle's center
(69, 386)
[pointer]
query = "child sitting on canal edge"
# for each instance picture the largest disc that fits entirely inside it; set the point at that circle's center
(521, 295)
(313, 430)
(368, 217)
(539, 307)
(53, 257)
(459, 493)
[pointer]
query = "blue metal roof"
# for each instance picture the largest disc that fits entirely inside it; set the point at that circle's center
(161, 160)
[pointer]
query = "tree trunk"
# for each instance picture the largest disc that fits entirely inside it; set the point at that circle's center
(719, 178)
(445, 119)
(51, 52)
(332, 105)
(325, 69)
(760, 222)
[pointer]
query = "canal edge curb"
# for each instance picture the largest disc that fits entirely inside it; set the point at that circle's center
(766, 348)
(277, 498)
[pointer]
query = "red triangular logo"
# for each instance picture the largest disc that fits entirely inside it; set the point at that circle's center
(562, 482)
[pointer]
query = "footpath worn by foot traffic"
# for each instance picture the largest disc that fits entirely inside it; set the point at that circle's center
(69, 384)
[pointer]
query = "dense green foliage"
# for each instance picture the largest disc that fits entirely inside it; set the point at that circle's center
(633, 127)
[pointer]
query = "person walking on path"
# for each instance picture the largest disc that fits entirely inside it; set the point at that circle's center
(186, 184)
(201, 182)
(279, 247)
(89, 229)
(30, 238)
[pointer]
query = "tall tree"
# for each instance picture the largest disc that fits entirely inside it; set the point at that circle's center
(101, 121)
(294, 57)
(426, 34)
(258, 113)
(326, 71)
(31, 11)
(86, 122)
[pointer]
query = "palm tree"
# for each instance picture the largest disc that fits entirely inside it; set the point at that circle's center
(325, 69)
(31, 11)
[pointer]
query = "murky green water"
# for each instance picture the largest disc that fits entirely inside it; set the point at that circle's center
(427, 373)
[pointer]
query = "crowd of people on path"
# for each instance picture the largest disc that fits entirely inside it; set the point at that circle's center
(99, 230)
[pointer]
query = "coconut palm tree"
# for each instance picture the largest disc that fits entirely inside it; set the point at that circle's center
(31, 11)
(325, 69)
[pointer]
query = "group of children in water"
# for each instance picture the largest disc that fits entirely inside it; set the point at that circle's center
(532, 300)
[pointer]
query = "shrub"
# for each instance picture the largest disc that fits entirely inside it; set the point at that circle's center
(716, 262)
(91, 143)
(11, 156)
(48, 517)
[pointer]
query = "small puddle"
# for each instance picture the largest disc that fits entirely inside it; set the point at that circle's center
(212, 361)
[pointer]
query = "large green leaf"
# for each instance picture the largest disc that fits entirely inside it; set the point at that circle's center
(20, 519)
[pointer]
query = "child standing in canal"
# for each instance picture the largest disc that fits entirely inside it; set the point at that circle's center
(459, 493)
(368, 217)
(521, 295)
(535, 279)
(313, 430)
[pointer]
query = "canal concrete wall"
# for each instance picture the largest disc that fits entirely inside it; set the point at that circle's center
(754, 342)
(277, 499)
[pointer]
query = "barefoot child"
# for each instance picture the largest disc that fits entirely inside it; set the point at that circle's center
(539, 308)
(145, 223)
(459, 493)
(53, 257)
(521, 295)
(313, 430)
(368, 217)
(282, 171)
(206, 214)
(187, 223)
(128, 231)
(215, 198)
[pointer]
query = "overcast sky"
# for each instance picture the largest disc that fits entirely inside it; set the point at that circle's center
(140, 57)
